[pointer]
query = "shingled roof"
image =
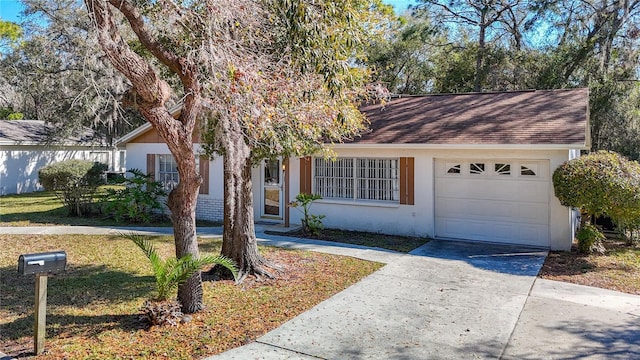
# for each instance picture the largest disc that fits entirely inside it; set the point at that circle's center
(35, 132)
(558, 117)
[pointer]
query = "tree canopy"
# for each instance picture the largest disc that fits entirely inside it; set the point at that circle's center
(262, 78)
(57, 73)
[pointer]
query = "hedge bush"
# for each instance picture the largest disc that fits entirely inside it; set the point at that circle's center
(601, 183)
(590, 239)
(75, 183)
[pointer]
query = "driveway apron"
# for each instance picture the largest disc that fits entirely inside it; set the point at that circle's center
(445, 300)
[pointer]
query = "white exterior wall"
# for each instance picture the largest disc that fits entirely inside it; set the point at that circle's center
(418, 219)
(392, 218)
(210, 206)
(19, 164)
(574, 214)
(373, 216)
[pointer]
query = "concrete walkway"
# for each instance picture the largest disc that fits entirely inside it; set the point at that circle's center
(445, 300)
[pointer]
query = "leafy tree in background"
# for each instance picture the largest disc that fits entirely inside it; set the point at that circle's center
(403, 60)
(482, 18)
(58, 74)
(10, 33)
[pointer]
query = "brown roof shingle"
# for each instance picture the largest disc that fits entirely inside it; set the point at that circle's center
(521, 117)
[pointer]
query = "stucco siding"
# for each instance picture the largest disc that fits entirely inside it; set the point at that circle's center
(19, 165)
(418, 219)
(373, 216)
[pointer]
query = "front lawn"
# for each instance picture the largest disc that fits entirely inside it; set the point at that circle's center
(618, 269)
(93, 308)
(44, 208)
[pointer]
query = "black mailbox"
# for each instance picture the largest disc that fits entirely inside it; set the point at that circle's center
(42, 263)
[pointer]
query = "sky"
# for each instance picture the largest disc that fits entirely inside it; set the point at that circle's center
(10, 9)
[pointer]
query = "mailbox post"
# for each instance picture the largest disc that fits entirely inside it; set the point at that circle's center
(40, 325)
(41, 265)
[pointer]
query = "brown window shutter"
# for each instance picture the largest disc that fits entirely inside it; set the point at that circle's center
(305, 175)
(406, 181)
(204, 172)
(151, 165)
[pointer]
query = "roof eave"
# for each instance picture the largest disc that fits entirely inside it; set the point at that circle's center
(174, 111)
(134, 134)
(582, 146)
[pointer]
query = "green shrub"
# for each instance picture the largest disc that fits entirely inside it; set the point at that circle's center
(137, 201)
(590, 239)
(75, 183)
(311, 224)
(601, 183)
(15, 116)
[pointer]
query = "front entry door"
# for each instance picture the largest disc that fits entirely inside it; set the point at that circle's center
(272, 189)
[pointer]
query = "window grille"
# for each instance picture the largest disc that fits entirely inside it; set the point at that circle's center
(358, 178)
(168, 172)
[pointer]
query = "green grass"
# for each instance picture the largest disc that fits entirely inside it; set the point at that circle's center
(383, 241)
(93, 308)
(44, 208)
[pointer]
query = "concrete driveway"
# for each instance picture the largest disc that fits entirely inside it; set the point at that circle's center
(447, 300)
(454, 300)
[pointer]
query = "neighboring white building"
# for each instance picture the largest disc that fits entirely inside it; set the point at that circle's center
(25, 148)
(466, 166)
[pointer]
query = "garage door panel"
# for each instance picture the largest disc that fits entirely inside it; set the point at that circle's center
(488, 210)
(514, 190)
(526, 234)
(511, 208)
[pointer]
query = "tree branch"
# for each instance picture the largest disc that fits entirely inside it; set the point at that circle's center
(187, 71)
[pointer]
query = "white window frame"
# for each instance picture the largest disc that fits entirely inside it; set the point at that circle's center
(358, 179)
(122, 158)
(162, 175)
(174, 175)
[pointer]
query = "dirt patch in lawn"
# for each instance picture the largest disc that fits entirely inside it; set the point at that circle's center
(383, 241)
(618, 269)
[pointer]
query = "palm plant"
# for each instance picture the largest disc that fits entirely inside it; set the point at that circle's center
(172, 272)
(169, 275)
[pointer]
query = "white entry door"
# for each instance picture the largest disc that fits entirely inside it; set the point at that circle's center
(493, 200)
(272, 202)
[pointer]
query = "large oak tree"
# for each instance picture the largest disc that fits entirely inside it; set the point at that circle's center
(263, 78)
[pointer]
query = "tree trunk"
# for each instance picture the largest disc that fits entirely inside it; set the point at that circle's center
(182, 203)
(477, 85)
(239, 241)
(153, 92)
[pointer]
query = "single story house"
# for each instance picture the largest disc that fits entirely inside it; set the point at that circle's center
(25, 147)
(474, 166)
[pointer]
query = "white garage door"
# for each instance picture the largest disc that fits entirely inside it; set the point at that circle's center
(493, 200)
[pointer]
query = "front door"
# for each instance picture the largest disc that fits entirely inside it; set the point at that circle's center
(272, 189)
